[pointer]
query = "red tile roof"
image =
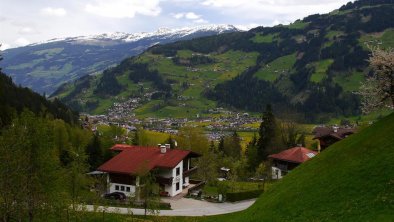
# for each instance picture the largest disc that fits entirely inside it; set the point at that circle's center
(132, 159)
(295, 155)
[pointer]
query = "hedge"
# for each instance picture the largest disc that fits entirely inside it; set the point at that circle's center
(244, 195)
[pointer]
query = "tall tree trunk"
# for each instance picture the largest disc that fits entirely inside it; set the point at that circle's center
(31, 216)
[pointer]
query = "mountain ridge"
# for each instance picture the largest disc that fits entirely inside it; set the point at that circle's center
(47, 65)
(311, 66)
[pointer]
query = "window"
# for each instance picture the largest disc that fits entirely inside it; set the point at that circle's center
(128, 189)
(177, 186)
(116, 187)
(122, 188)
(178, 171)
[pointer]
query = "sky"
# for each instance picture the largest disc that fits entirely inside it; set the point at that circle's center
(23, 22)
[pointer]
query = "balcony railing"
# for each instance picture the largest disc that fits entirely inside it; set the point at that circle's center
(186, 173)
(164, 180)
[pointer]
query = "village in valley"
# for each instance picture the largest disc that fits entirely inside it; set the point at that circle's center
(283, 113)
(227, 164)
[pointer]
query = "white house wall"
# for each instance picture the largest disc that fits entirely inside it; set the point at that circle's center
(112, 188)
(276, 173)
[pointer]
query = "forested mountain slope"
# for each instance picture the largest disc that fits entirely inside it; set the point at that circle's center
(14, 99)
(44, 66)
(312, 66)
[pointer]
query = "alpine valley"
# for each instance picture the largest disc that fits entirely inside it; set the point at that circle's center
(312, 66)
(46, 65)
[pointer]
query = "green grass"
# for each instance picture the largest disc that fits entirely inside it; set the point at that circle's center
(274, 69)
(363, 119)
(259, 38)
(384, 39)
(320, 70)
(184, 53)
(331, 34)
(235, 186)
(298, 25)
(351, 181)
(350, 82)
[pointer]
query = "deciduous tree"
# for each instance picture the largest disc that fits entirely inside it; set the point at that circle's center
(378, 90)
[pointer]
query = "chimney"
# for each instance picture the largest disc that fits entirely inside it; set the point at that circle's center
(335, 129)
(168, 146)
(163, 149)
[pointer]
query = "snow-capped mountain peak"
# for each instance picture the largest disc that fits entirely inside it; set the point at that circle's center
(133, 37)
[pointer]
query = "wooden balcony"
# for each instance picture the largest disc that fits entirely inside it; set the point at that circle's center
(188, 172)
(164, 180)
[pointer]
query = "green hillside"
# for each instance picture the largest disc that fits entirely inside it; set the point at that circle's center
(311, 66)
(351, 181)
(15, 99)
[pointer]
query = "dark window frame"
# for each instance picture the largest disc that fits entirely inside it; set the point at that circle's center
(178, 171)
(177, 186)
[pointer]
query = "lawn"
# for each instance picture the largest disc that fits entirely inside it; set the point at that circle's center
(233, 186)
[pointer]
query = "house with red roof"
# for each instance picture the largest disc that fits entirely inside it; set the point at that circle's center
(330, 135)
(172, 168)
(287, 160)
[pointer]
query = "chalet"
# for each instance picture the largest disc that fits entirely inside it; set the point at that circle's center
(172, 168)
(287, 160)
(330, 135)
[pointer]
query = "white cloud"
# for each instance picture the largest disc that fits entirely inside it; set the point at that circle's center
(192, 15)
(178, 15)
(187, 15)
(26, 30)
(54, 11)
(124, 8)
(259, 3)
(22, 42)
(271, 12)
(223, 3)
